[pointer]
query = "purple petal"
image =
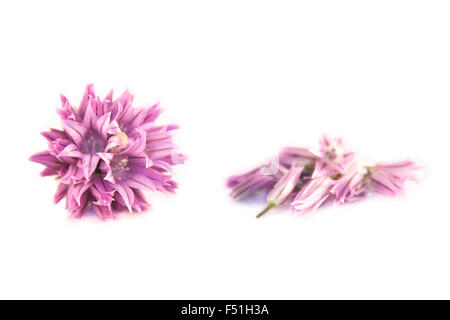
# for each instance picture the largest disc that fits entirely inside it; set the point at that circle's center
(106, 157)
(60, 192)
(252, 185)
(138, 117)
(54, 134)
(79, 190)
(116, 110)
(89, 164)
(50, 171)
(103, 212)
(102, 192)
(90, 117)
(70, 150)
(46, 159)
(102, 124)
(139, 181)
(75, 130)
(285, 185)
(126, 195)
(313, 194)
(88, 94)
(141, 160)
(140, 204)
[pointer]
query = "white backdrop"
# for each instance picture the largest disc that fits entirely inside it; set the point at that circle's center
(242, 78)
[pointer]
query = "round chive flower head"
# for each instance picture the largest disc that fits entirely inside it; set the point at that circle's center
(107, 153)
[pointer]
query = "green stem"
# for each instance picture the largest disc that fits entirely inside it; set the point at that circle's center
(269, 206)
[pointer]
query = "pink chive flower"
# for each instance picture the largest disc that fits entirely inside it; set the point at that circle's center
(352, 186)
(107, 153)
(285, 185)
(307, 179)
(313, 194)
(333, 155)
(283, 188)
(389, 178)
(247, 184)
(290, 155)
(264, 177)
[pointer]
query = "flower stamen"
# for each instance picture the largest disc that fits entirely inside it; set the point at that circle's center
(122, 138)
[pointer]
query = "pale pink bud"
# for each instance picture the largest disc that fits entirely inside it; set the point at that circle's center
(284, 187)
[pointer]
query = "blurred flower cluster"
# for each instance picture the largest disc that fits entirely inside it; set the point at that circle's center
(306, 179)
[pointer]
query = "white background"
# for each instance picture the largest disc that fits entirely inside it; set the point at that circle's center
(242, 78)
